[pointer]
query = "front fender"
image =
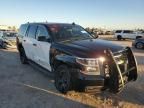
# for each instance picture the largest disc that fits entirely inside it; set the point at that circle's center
(65, 59)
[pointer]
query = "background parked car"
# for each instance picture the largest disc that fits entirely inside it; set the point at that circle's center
(127, 34)
(138, 43)
(7, 39)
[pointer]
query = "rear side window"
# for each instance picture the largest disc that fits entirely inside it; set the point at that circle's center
(32, 31)
(128, 31)
(118, 31)
(22, 30)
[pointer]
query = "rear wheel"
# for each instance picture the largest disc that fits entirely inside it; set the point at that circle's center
(124, 39)
(63, 81)
(119, 37)
(139, 45)
(23, 57)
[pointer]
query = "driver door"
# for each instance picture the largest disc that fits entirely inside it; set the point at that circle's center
(42, 56)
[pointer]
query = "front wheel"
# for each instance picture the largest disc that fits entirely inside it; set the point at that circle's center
(139, 45)
(63, 81)
(23, 57)
(119, 37)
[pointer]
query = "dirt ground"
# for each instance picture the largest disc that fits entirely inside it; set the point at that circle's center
(24, 86)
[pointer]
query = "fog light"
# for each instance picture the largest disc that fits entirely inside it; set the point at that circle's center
(91, 69)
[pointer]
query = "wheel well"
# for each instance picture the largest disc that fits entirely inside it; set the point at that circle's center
(19, 47)
(58, 63)
(119, 36)
(138, 37)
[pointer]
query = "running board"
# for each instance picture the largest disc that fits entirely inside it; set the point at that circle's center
(41, 69)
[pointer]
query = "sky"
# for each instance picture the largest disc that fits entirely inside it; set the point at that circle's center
(108, 14)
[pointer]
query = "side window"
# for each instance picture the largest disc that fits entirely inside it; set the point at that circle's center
(22, 30)
(118, 31)
(128, 31)
(32, 31)
(42, 31)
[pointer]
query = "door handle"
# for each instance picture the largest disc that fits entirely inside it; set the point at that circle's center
(34, 44)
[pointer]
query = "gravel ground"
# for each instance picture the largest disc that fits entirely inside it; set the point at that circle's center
(23, 86)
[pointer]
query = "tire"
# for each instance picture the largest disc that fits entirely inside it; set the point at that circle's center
(139, 45)
(63, 82)
(124, 39)
(119, 37)
(23, 57)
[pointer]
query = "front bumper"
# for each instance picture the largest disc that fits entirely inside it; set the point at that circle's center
(118, 75)
(90, 83)
(91, 80)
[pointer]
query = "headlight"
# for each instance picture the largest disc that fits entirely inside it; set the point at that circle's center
(90, 61)
(91, 65)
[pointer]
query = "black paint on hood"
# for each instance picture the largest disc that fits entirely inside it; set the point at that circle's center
(91, 48)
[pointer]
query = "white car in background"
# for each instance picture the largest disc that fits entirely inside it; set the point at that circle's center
(127, 34)
(7, 39)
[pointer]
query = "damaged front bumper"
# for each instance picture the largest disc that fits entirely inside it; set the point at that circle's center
(121, 73)
(118, 69)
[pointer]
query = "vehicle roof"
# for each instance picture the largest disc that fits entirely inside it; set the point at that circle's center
(124, 30)
(50, 23)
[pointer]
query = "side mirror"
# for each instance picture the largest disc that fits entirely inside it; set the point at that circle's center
(42, 38)
(94, 35)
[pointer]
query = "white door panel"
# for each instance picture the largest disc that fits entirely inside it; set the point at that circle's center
(42, 48)
(129, 34)
(43, 53)
(37, 52)
(126, 35)
(134, 36)
(27, 44)
(33, 48)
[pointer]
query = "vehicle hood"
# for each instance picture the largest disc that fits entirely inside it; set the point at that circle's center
(91, 48)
